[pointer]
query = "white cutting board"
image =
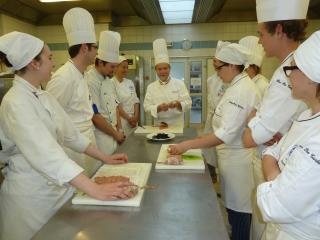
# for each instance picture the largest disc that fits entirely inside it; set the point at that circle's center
(178, 130)
(187, 164)
(138, 174)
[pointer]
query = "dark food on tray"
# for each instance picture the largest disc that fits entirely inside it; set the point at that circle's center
(160, 136)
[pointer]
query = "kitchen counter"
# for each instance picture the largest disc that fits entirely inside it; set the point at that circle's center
(183, 207)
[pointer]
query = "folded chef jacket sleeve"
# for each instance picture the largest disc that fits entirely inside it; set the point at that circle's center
(149, 104)
(72, 137)
(184, 97)
(274, 150)
(294, 194)
(233, 116)
(23, 126)
(61, 88)
(277, 108)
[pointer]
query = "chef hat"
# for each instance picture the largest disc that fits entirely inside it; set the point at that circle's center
(160, 51)
(220, 45)
(307, 57)
(256, 50)
(277, 10)
(233, 53)
(79, 26)
(20, 48)
(122, 58)
(109, 43)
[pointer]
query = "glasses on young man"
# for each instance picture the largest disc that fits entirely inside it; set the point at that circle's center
(218, 68)
(288, 69)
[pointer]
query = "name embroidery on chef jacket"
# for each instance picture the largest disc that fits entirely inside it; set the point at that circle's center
(306, 150)
(236, 104)
(285, 84)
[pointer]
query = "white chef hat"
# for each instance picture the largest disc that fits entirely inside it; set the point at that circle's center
(20, 48)
(307, 57)
(256, 50)
(233, 53)
(79, 26)
(160, 51)
(109, 43)
(277, 10)
(122, 58)
(220, 45)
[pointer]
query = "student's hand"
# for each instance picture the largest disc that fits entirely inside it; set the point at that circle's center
(163, 107)
(120, 137)
(175, 104)
(117, 158)
(114, 191)
(133, 122)
(176, 149)
(275, 139)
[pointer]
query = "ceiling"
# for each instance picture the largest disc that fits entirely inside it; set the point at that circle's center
(135, 12)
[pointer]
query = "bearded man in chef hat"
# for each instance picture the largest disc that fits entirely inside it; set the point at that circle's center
(167, 99)
(106, 118)
(68, 84)
(281, 27)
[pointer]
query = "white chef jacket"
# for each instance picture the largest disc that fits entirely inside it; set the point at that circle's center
(235, 161)
(261, 83)
(69, 87)
(215, 90)
(292, 199)
(278, 108)
(127, 97)
(174, 90)
(105, 102)
(36, 182)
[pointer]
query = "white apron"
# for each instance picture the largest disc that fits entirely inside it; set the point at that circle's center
(236, 178)
(105, 143)
(258, 225)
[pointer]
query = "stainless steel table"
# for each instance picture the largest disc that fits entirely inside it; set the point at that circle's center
(183, 207)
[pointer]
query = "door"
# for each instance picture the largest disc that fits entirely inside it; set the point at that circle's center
(192, 71)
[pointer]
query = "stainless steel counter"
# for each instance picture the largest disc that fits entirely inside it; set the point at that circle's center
(183, 207)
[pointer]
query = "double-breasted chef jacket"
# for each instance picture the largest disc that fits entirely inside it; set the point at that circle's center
(292, 200)
(105, 102)
(174, 90)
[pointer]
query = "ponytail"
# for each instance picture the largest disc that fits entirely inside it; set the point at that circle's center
(4, 60)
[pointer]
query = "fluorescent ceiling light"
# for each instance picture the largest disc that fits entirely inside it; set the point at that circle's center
(48, 1)
(177, 11)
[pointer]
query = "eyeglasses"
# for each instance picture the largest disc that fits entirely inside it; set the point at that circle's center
(288, 69)
(218, 68)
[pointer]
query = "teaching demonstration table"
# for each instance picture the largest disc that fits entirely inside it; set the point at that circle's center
(183, 207)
